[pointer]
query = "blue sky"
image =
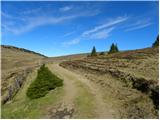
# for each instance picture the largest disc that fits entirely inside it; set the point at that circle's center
(61, 28)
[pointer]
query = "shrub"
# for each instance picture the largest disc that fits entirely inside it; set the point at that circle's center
(94, 53)
(113, 49)
(102, 53)
(156, 43)
(44, 82)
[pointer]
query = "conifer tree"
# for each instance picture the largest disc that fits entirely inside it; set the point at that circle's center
(113, 48)
(93, 53)
(116, 48)
(156, 43)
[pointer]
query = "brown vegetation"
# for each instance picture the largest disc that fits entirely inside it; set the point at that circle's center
(136, 70)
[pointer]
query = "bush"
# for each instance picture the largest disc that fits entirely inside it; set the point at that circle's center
(44, 82)
(94, 53)
(102, 53)
(113, 49)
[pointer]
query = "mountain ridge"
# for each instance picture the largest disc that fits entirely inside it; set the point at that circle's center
(22, 49)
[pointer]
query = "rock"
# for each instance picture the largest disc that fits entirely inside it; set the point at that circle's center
(17, 84)
(10, 92)
(60, 109)
(66, 117)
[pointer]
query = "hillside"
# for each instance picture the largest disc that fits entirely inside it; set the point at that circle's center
(66, 58)
(13, 57)
(15, 63)
(137, 74)
(119, 85)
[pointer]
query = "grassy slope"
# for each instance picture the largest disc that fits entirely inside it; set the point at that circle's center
(140, 63)
(22, 107)
(129, 102)
(14, 61)
(14, 57)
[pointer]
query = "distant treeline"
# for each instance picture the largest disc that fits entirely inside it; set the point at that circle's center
(114, 48)
(22, 49)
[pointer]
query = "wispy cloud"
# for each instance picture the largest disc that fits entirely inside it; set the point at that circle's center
(66, 8)
(32, 11)
(98, 32)
(102, 34)
(139, 25)
(33, 22)
(28, 23)
(72, 42)
(8, 16)
(107, 24)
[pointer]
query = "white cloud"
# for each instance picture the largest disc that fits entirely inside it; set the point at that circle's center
(72, 42)
(32, 11)
(101, 34)
(107, 24)
(8, 16)
(97, 35)
(32, 22)
(30, 19)
(98, 32)
(139, 25)
(66, 8)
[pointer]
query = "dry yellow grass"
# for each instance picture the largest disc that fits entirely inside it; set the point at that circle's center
(118, 85)
(129, 80)
(15, 65)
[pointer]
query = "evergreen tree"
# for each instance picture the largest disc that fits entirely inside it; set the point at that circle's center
(156, 43)
(93, 53)
(116, 48)
(113, 48)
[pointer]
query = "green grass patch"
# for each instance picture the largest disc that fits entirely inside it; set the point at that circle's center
(44, 82)
(27, 108)
(23, 107)
(85, 103)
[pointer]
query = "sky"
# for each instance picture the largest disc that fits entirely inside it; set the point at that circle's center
(61, 28)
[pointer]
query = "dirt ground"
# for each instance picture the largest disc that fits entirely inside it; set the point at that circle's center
(101, 108)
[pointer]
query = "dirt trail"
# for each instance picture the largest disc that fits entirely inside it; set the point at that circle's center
(102, 109)
(69, 88)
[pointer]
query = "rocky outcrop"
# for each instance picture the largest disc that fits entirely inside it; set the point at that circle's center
(149, 87)
(19, 80)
